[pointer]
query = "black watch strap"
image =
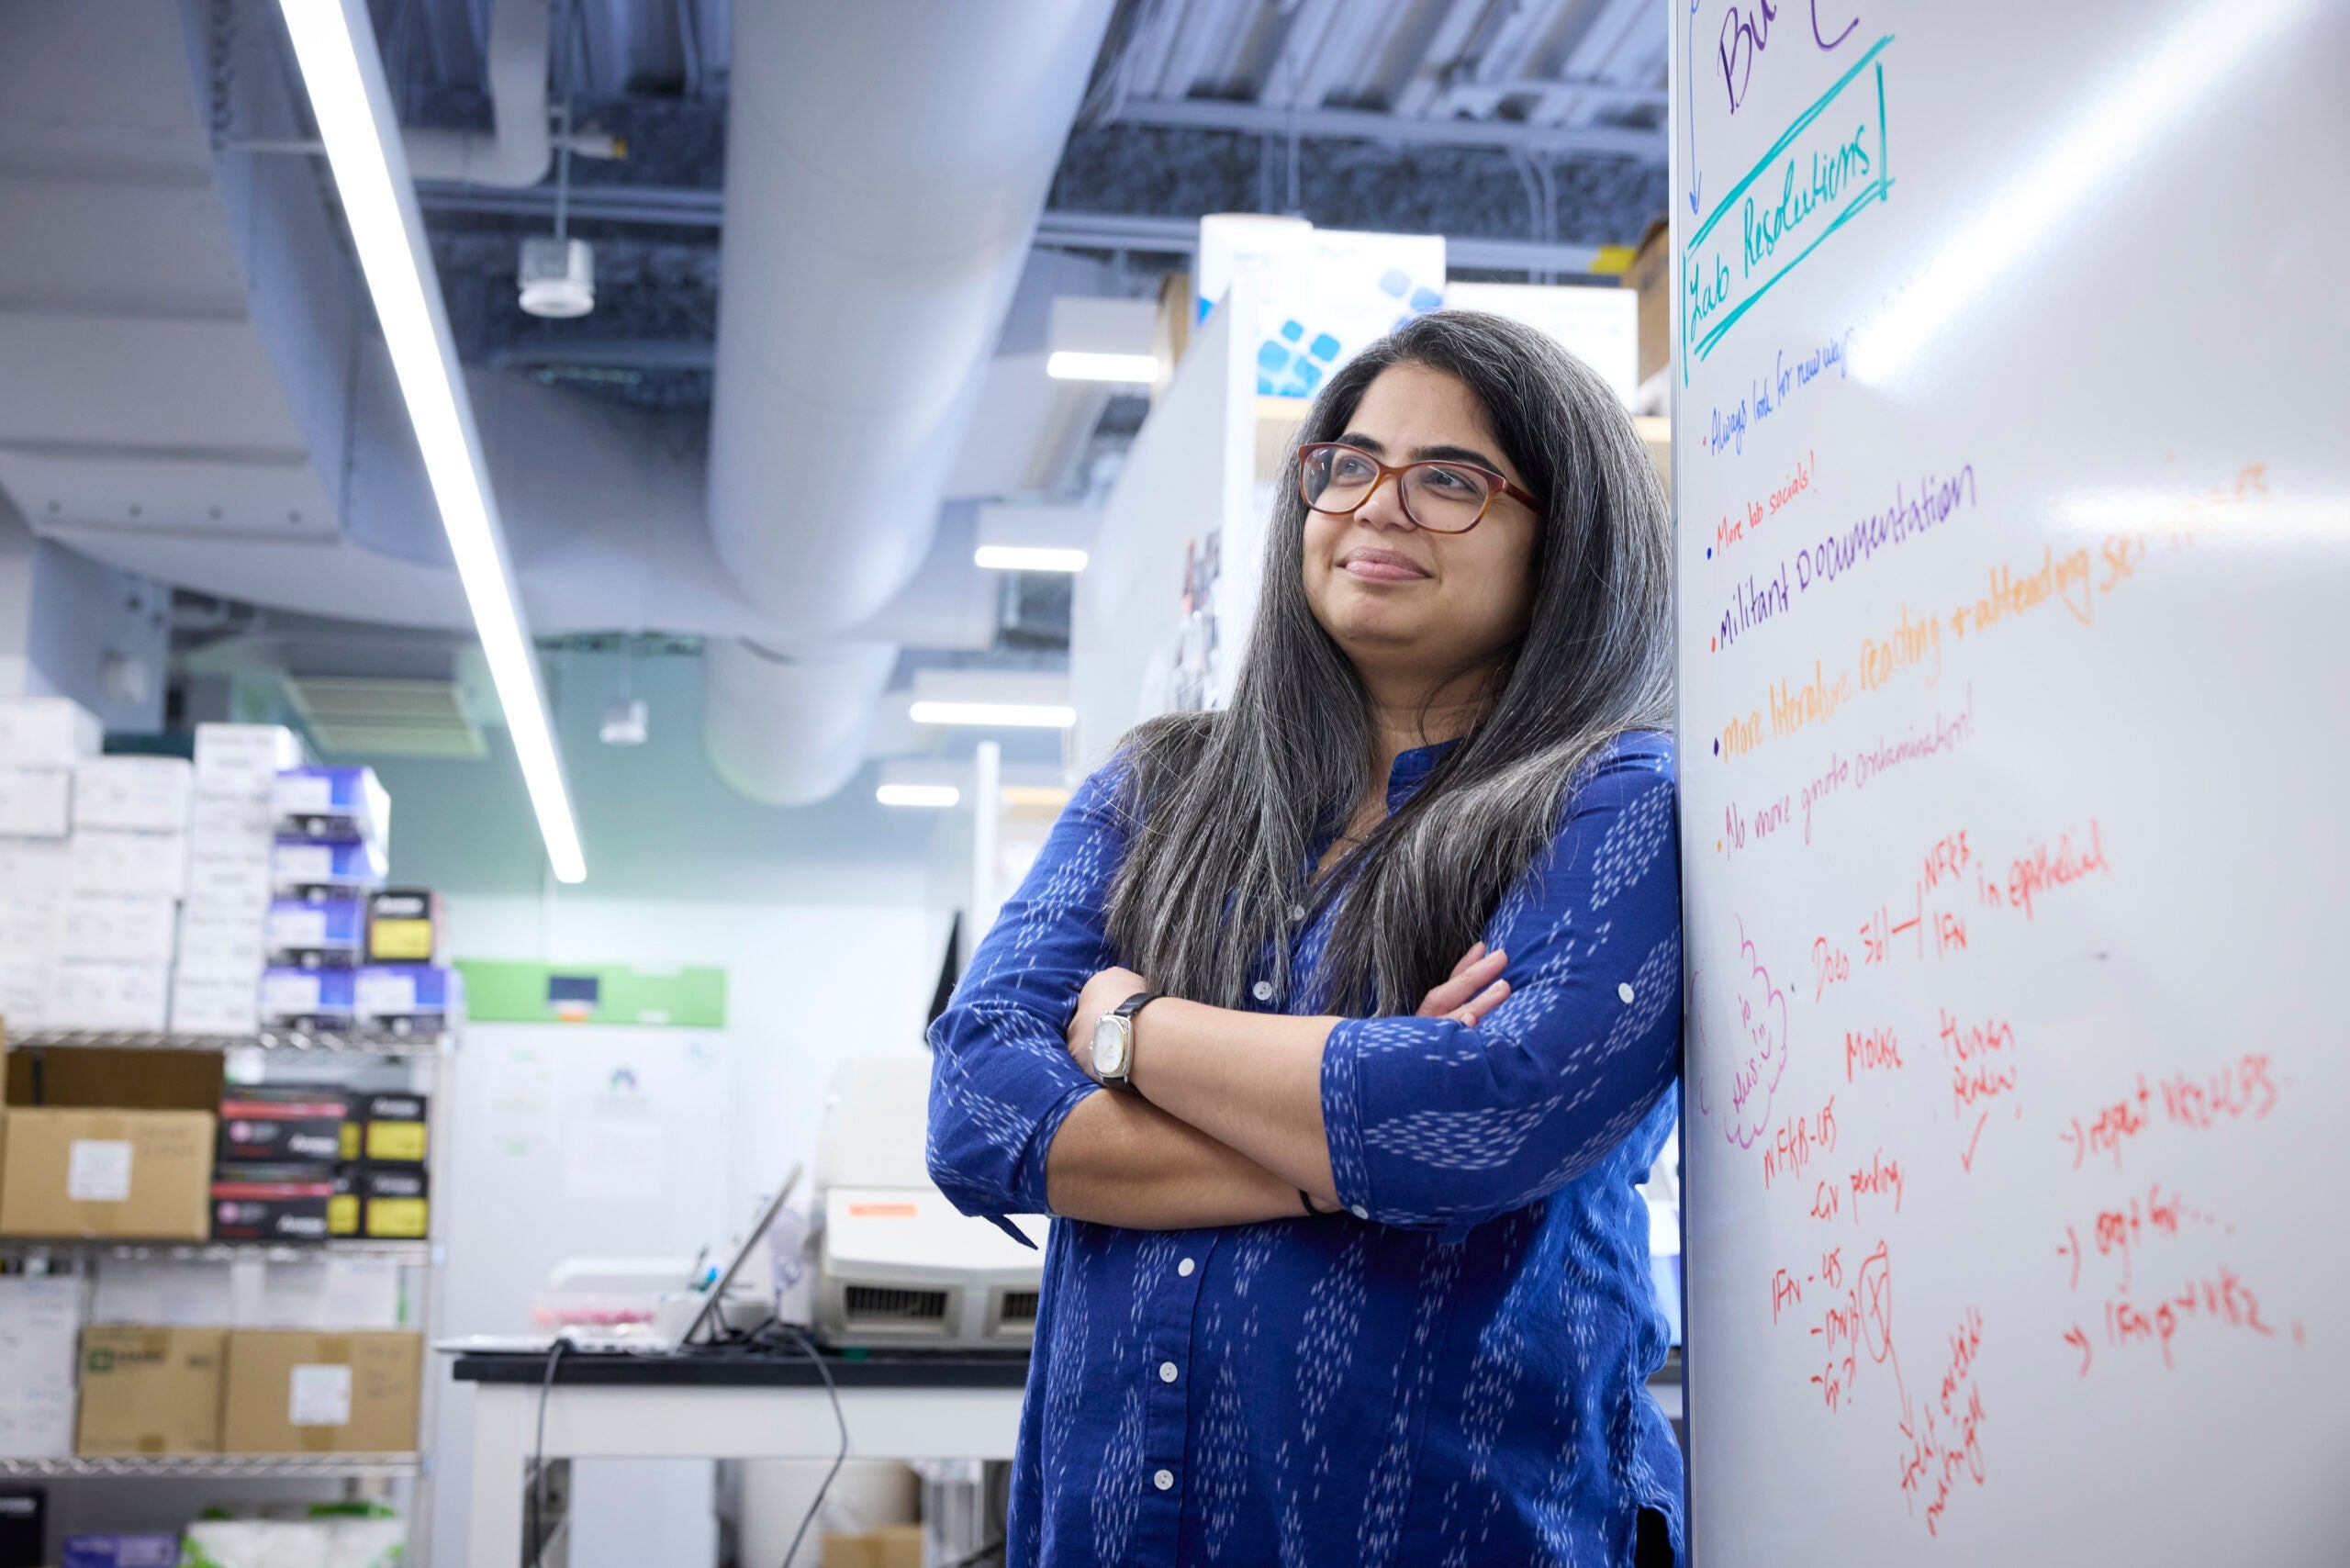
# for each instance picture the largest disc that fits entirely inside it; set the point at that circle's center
(1127, 1010)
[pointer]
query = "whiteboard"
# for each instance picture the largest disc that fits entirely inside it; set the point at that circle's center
(2013, 485)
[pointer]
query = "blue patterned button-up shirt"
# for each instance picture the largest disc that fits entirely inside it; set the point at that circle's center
(1452, 1374)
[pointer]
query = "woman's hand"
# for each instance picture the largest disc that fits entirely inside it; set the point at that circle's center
(1102, 994)
(1474, 989)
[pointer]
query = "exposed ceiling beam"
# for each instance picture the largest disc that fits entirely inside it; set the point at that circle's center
(1180, 236)
(1165, 235)
(1362, 125)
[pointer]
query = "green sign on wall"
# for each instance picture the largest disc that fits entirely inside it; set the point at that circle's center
(501, 991)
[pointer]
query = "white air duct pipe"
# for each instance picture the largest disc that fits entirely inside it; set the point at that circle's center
(517, 150)
(886, 163)
(789, 730)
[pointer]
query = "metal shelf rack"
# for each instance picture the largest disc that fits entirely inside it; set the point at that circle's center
(418, 1253)
(436, 1051)
(267, 1039)
(220, 1467)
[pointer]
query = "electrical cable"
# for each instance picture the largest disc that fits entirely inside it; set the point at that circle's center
(539, 1456)
(801, 1337)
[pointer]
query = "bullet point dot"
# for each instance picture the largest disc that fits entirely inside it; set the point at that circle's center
(1718, 748)
(1709, 552)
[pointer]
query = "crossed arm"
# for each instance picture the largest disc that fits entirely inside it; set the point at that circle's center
(1440, 1119)
(1226, 1127)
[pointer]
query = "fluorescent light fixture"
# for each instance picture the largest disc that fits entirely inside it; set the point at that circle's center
(935, 796)
(2097, 151)
(1103, 340)
(334, 44)
(1027, 558)
(1073, 364)
(1005, 716)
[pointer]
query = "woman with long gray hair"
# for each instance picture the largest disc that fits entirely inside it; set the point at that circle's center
(1335, 1028)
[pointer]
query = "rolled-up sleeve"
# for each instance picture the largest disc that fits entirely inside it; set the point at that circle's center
(1435, 1123)
(1000, 1079)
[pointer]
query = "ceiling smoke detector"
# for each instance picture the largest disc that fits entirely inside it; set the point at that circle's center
(558, 278)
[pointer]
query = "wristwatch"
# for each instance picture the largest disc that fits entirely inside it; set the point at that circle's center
(1114, 1042)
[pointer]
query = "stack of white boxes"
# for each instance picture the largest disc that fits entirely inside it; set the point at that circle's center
(42, 739)
(125, 868)
(217, 989)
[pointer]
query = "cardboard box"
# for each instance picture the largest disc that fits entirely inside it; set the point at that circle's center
(229, 828)
(36, 803)
(337, 804)
(403, 926)
(304, 867)
(47, 731)
(215, 941)
(892, 1546)
(1651, 274)
(281, 1125)
(28, 924)
(315, 934)
(33, 867)
(290, 1391)
(381, 1203)
(135, 1549)
(407, 999)
(385, 1129)
(146, 794)
(96, 993)
(41, 1321)
(129, 928)
(115, 1079)
(229, 887)
(305, 999)
(139, 1174)
(113, 860)
(149, 1390)
(24, 990)
(271, 1203)
(325, 1295)
(164, 1293)
(210, 1004)
(243, 761)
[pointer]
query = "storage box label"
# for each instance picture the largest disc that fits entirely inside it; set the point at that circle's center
(97, 1170)
(319, 1397)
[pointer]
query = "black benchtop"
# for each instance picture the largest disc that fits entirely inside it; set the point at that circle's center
(746, 1369)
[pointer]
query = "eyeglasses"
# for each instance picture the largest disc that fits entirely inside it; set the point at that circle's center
(1446, 496)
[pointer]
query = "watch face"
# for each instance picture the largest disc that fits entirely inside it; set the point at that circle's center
(1110, 1048)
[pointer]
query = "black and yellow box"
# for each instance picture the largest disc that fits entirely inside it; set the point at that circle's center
(403, 926)
(385, 1129)
(381, 1202)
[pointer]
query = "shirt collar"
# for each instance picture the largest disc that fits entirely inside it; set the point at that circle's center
(1411, 768)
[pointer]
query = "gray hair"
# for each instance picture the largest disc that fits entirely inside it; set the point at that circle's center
(1224, 809)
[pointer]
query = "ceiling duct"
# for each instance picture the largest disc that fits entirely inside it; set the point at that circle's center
(788, 729)
(886, 163)
(518, 149)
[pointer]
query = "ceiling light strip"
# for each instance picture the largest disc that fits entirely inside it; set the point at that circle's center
(334, 45)
(1007, 715)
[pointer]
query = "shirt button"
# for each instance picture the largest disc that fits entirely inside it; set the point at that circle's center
(1185, 1268)
(1163, 1480)
(1167, 1371)
(1359, 1211)
(1262, 991)
(1623, 991)
(1297, 912)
